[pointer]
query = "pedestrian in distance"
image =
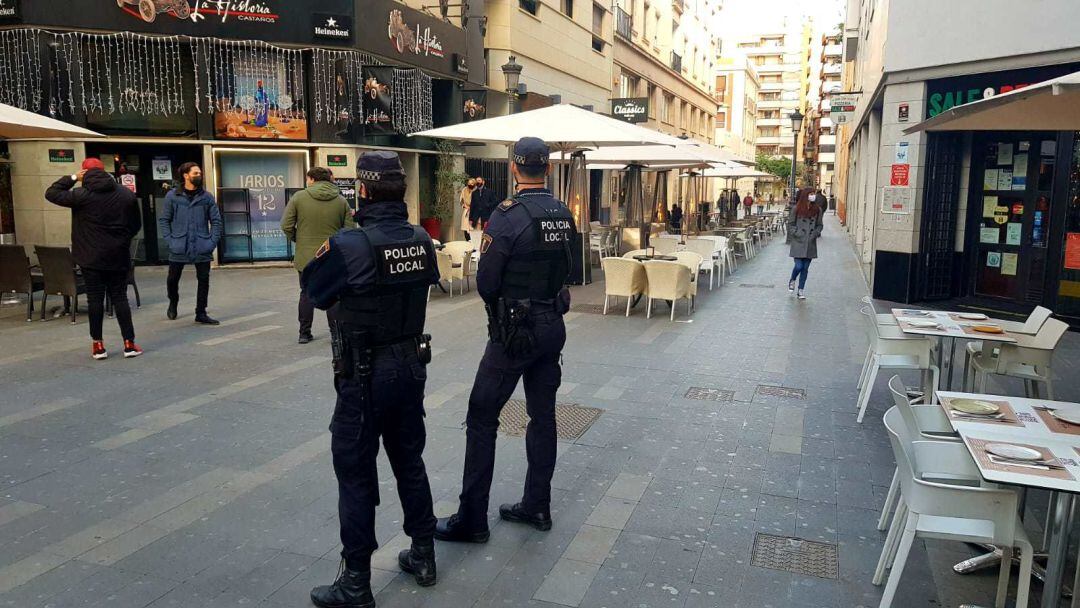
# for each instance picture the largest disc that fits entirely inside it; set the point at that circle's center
(805, 223)
(524, 262)
(311, 216)
(190, 224)
(676, 219)
(466, 207)
(378, 276)
(104, 219)
(482, 204)
(748, 204)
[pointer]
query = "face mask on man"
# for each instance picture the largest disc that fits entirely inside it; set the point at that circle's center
(197, 181)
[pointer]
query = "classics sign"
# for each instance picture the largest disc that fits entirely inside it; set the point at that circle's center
(630, 109)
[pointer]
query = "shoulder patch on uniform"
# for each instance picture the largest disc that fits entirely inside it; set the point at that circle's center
(323, 249)
(508, 203)
(485, 243)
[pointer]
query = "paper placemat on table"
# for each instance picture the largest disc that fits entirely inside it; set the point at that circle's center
(1055, 425)
(905, 323)
(1010, 414)
(968, 328)
(978, 447)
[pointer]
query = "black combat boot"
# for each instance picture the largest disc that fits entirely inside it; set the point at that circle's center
(519, 514)
(419, 561)
(453, 529)
(352, 589)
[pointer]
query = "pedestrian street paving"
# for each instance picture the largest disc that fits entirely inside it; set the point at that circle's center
(199, 475)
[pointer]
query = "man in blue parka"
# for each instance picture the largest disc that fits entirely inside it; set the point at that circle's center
(191, 225)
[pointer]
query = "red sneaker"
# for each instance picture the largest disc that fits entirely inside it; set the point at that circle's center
(131, 349)
(97, 350)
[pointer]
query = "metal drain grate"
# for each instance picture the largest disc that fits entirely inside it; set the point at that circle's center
(757, 285)
(795, 555)
(589, 309)
(571, 420)
(709, 394)
(780, 391)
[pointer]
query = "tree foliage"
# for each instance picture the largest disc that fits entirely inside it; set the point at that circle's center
(780, 166)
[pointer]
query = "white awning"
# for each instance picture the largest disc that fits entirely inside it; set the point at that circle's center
(20, 124)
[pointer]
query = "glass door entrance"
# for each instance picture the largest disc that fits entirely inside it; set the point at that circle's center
(149, 171)
(1011, 218)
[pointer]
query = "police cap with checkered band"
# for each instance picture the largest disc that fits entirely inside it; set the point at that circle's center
(531, 152)
(379, 165)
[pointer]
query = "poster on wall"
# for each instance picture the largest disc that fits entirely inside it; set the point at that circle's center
(1008, 263)
(896, 200)
(266, 177)
(1004, 179)
(990, 179)
(990, 204)
(402, 34)
(474, 105)
(1072, 251)
(260, 106)
(990, 235)
(993, 259)
(378, 100)
(162, 169)
(348, 190)
(1012, 233)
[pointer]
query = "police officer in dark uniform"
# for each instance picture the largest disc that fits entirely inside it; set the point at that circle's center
(378, 275)
(525, 260)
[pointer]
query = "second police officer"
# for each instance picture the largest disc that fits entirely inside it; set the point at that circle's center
(525, 260)
(378, 275)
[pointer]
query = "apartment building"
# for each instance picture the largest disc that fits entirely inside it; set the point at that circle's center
(984, 219)
(828, 82)
(782, 61)
(737, 88)
(665, 57)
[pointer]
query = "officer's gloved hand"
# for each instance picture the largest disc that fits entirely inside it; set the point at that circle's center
(562, 301)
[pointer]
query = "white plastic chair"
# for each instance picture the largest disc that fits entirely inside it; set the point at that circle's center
(623, 278)
(891, 349)
(693, 263)
(667, 281)
(945, 511)
(882, 318)
(1030, 327)
(1029, 358)
(460, 253)
(927, 422)
(445, 265)
(665, 245)
(706, 248)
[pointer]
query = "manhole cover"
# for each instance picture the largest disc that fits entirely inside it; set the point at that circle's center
(756, 285)
(795, 555)
(589, 309)
(709, 394)
(781, 391)
(571, 421)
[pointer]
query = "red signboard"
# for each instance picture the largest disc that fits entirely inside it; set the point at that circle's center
(900, 175)
(1072, 251)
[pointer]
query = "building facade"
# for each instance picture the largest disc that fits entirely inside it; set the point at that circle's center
(829, 82)
(665, 55)
(983, 218)
(782, 60)
(255, 96)
(737, 88)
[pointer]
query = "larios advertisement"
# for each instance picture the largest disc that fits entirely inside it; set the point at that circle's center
(266, 176)
(266, 20)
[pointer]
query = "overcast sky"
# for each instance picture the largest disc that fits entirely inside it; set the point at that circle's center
(756, 15)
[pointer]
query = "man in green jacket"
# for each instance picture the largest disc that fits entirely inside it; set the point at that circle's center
(312, 216)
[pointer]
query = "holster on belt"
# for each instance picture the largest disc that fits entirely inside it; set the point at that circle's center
(352, 353)
(510, 326)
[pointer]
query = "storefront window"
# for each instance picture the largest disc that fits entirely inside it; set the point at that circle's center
(1068, 302)
(254, 189)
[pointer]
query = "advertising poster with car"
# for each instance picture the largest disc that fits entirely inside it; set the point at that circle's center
(378, 100)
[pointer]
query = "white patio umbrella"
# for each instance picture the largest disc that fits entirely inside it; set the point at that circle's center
(1052, 105)
(565, 128)
(734, 172)
(20, 124)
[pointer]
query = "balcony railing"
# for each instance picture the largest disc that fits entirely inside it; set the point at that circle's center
(678, 5)
(624, 23)
(676, 62)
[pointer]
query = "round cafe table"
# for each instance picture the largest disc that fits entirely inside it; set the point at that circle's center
(649, 258)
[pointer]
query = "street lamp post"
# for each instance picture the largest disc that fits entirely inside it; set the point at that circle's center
(512, 73)
(796, 126)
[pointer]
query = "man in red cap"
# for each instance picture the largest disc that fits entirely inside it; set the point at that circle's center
(104, 219)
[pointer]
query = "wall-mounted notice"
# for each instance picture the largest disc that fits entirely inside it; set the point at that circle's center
(990, 235)
(1012, 233)
(990, 203)
(1004, 154)
(1005, 179)
(993, 259)
(990, 179)
(1072, 251)
(1008, 264)
(896, 200)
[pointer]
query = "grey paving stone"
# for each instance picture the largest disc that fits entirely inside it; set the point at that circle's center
(567, 583)
(592, 544)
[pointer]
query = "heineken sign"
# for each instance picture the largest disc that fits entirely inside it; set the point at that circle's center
(337, 160)
(63, 155)
(630, 109)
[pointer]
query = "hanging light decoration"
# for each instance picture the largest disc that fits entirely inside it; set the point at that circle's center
(20, 69)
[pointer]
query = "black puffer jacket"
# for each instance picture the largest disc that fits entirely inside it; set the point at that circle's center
(104, 219)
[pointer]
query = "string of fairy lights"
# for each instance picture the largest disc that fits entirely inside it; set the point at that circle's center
(136, 74)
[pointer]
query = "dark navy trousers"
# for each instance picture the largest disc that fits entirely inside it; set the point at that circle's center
(392, 408)
(495, 382)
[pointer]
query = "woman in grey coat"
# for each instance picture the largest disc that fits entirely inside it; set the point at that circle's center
(804, 228)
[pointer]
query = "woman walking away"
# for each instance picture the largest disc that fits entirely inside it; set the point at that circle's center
(804, 228)
(466, 205)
